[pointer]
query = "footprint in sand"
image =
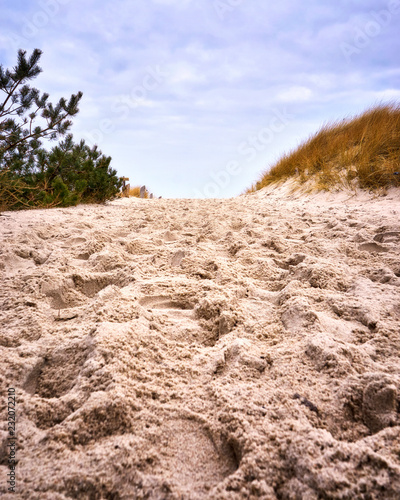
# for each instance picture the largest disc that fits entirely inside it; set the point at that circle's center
(193, 459)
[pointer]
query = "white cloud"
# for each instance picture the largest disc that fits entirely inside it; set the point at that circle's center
(295, 94)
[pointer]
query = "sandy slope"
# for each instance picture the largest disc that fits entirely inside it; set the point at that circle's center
(165, 349)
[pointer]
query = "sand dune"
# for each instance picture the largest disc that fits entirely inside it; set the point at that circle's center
(204, 349)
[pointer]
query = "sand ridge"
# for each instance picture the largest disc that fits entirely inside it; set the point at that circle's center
(190, 349)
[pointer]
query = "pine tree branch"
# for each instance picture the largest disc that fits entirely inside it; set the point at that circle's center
(43, 133)
(11, 93)
(11, 111)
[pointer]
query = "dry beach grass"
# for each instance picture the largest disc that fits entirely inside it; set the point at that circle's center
(135, 191)
(363, 151)
(193, 349)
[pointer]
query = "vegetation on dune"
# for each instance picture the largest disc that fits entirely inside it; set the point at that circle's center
(30, 175)
(362, 151)
(135, 191)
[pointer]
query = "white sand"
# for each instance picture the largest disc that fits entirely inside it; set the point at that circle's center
(216, 349)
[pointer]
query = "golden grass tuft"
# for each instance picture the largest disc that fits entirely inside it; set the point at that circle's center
(363, 151)
(135, 191)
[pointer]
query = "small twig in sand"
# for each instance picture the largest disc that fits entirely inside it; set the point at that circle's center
(304, 401)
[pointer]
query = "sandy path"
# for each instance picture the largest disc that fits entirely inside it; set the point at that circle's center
(176, 349)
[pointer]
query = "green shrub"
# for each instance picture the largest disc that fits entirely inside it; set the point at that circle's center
(31, 176)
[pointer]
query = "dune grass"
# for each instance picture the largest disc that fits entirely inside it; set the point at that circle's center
(363, 151)
(135, 191)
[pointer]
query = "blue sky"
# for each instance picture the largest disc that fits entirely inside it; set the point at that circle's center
(195, 98)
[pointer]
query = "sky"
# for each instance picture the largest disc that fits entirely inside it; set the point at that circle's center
(197, 98)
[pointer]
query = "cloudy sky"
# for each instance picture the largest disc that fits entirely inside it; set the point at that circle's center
(195, 98)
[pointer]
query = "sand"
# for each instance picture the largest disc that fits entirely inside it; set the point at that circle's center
(204, 349)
